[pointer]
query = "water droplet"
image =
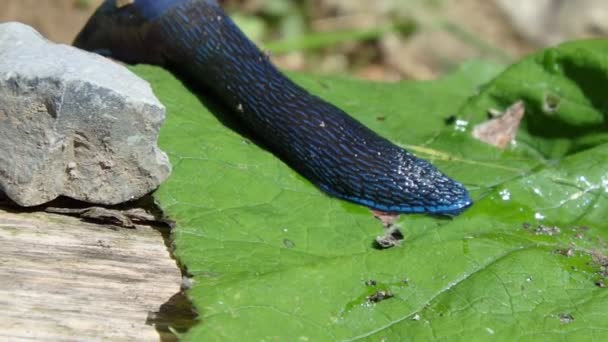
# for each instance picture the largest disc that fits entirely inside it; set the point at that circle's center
(583, 180)
(461, 125)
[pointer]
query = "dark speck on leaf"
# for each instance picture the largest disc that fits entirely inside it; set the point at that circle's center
(600, 260)
(288, 244)
(547, 230)
(381, 118)
(550, 103)
(567, 252)
(392, 239)
(566, 318)
(450, 120)
(380, 296)
(370, 282)
(579, 231)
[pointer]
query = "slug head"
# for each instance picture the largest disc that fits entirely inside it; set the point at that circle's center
(126, 30)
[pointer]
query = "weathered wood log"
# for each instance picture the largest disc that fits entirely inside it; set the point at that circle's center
(65, 279)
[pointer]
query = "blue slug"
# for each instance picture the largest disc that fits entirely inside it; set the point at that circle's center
(331, 149)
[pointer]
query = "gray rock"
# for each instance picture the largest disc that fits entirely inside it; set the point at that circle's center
(75, 124)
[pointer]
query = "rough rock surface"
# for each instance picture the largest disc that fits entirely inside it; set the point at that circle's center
(73, 123)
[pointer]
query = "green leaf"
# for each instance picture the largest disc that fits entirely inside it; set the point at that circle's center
(275, 259)
(564, 89)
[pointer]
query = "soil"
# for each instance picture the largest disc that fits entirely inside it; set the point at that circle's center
(471, 29)
(58, 20)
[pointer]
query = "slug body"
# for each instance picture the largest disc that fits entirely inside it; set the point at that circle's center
(332, 150)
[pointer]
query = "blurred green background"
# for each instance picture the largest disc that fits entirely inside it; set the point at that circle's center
(387, 40)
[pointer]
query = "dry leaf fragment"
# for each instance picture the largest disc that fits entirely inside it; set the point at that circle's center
(501, 131)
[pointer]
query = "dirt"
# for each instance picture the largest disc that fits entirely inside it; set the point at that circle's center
(422, 57)
(445, 36)
(58, 20)
(380, 296)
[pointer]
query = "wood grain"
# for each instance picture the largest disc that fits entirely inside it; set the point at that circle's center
(64, 279)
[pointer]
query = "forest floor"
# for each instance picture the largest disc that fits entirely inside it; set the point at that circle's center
(429, 39)
(422, 55)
